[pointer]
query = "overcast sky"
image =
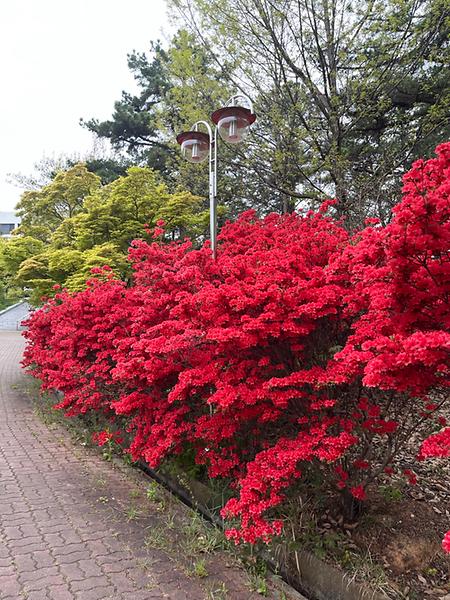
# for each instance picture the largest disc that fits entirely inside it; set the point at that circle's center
(61, 60)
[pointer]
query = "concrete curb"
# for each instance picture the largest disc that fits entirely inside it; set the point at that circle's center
(325, 582)
(317, 579)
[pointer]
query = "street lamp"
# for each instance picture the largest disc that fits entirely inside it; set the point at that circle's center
(232, 122)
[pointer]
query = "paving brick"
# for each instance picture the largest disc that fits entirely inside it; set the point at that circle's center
(66, 549)
(27, 549)
(10, 586)
(100, 593)
(43, 558)
(44, 582)
(90, 582)
(36, 574)
(37, 595)
(24, 562)
(24, 542)
(145, 595)
(121, 582)
(59, 592)
(72, 572)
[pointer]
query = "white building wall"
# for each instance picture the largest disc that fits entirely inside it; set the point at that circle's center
(8, 222)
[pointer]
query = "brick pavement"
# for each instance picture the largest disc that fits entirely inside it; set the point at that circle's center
(64, 531)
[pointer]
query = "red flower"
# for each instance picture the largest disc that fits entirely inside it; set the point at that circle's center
(102, 437)
(299, 345)
(446, 542)
(358, 492)
(361, 464)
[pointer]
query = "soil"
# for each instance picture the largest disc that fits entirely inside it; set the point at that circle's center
(404, 536)
(400, 535)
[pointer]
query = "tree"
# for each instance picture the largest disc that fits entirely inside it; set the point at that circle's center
(100, 161)
(43, 210)
(117, 213)
(75, 224)
(69, 268)
(134, 124)
(194, 86)
(17, 249)
(12, 253)
(347, 93)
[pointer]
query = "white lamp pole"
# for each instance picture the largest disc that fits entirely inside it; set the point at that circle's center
(232, 122)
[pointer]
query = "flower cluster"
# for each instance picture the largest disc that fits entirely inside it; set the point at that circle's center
(300, 347)
(436, 445)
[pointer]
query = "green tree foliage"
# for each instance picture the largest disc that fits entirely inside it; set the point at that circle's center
(17, 249)
(200, 85)
(107, 168)
(347, 93)
(116, 213)
(13, 252)
(43, 210)
(66, 267)
(92, 225)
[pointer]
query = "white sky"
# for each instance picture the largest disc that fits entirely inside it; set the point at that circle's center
(61, 60)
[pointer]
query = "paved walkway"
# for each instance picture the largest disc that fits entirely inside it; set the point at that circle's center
(64, 531)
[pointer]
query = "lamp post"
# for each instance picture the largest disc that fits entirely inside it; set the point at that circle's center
(232, 122)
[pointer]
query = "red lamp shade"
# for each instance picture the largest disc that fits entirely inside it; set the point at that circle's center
(194, 145)
(233, 122)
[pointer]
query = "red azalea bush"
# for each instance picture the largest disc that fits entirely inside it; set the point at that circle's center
(300, 348)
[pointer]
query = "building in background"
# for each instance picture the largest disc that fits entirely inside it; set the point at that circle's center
(8, 222)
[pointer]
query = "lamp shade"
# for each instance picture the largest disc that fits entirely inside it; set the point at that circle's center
(194, 145)
(233, 123)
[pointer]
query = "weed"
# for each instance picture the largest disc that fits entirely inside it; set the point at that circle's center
(365, 568)
(199, 537)
(321, 543)
(220, 593)
(171, 522)
(108, 451)
(132, 513)
(126, 457)
(143, 563)
(135, 493)
(257, 573)
(391, 493)
(259, 585)
(103, 499)
(152, 491)
(157, 538)
(200, 569)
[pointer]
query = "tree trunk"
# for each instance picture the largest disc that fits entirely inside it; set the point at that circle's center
(351, 507)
